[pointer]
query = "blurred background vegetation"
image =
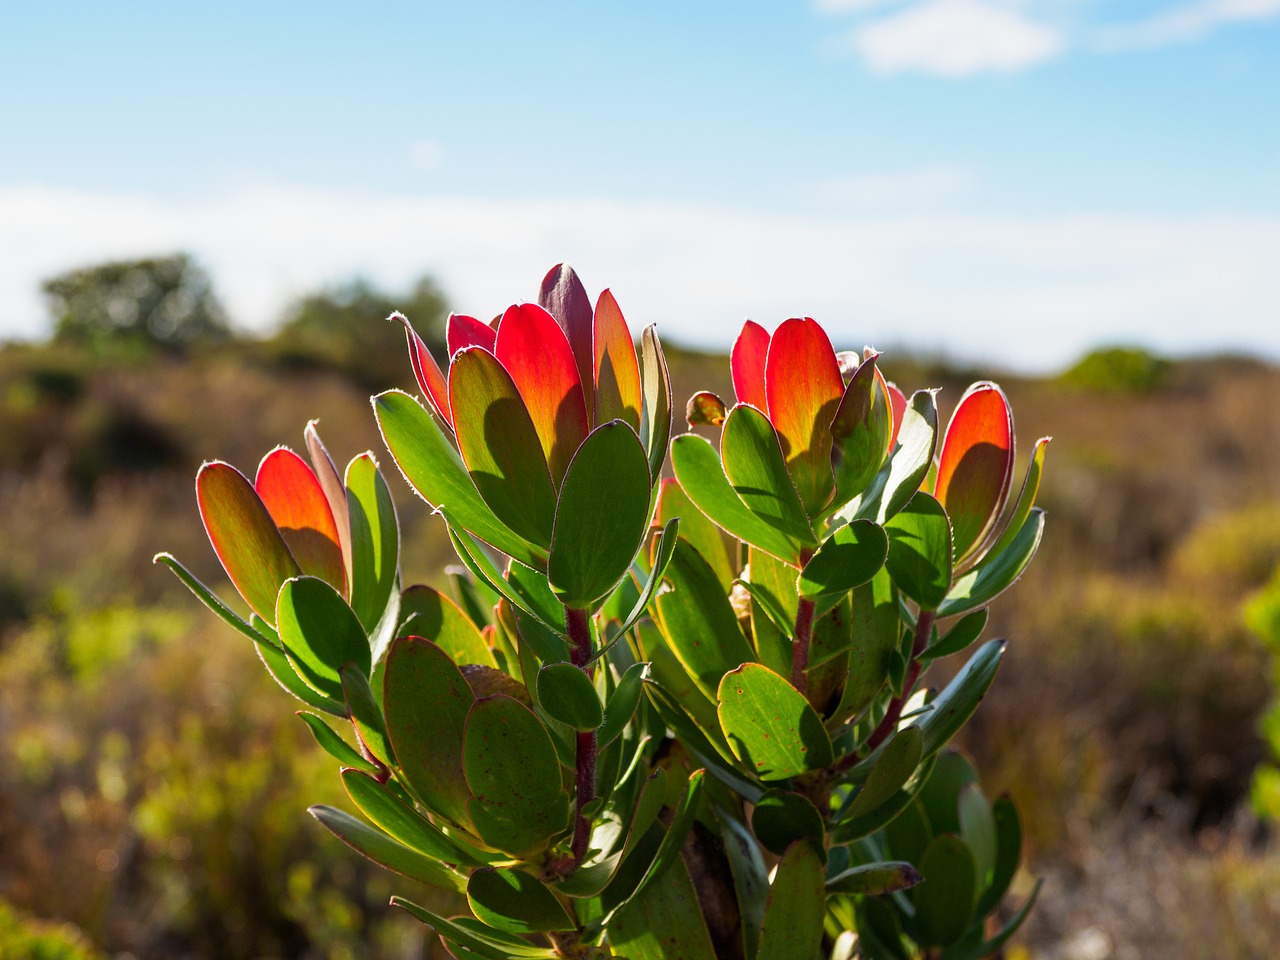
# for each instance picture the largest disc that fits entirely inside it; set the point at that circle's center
(153, 780)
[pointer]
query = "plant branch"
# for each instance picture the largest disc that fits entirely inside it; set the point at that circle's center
(924, 627)
(578, 623)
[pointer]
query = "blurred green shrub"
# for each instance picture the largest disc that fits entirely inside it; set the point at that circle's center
(24, 938)
(135, 305)
(1262, 613)
(1118, 370)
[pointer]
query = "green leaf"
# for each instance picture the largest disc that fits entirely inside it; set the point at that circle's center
(568, 695)
(622, 704)
(491, 944)
(1026, 500)
(601, 517)
(475, 559)
(697, 621)
(211, 600)
(655, 415)
(874, 879)
(781, 817)
(245, 538)
(967, 630)
(426, 700)
(888, 813)
(333, 744)
(500, 445)
(940, 797)
(955, 705)
(435, 470)
(1008, 845)
(693, 739)
(860, 432)
(757, 470)
(283, 672)
(592, 877)
(697, 528)
(909, 833)
(381, 806)
(425, 612)
(944, 901)
(365, 711)
(517, 802)
(978, 829)
(997, 572)
(879, 931)
(750, 876)
(381, 849)
(534, 635)
(375, 541)
(697, 466)
(900, 478)
(474, 597)
(793, 918)
(511, 900)
(534, 589)
(662, 554)
(875, 638)
(898, 761)
(666, 913)
(770, 726)
(919, 558)
(321, 633)
(847, 559)
(992, 947)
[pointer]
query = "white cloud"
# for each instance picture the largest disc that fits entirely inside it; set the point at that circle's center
(956, 38)
(426, 154)
(898, 188)
(1184, 23)
(1032, 292)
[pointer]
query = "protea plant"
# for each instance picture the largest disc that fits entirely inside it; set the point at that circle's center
(654, 718)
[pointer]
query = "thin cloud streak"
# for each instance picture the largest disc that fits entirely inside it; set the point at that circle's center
(1024, 291)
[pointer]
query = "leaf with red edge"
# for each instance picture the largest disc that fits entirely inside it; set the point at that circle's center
(897, 403)
(244, 537)
(747, 362)
(537, 354)
(803, 386)
(499, 444)
(426, 371)
(975, 467)
(860, 431)
(564, 297)
(618, 395)
(293, 496)
(334, 491)
(462, 331)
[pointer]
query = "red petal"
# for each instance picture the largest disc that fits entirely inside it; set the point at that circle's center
(564, 297)
(803, 386)
(747, 362)
(293, 496)
(617, 371)
(975, 468)
(426, 371)
(463, 331)
(244, 537)
(536, 352)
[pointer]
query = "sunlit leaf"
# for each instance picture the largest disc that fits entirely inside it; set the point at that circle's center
(382, 849)
(997, 571)
(747, 362)
(426, 371)
(512, 900)
(375, 541)
(847, 559)
(563, 296)
(321, 633)
(462, 331)
(618, 394)
(975, 466)
(426, 612)
(770, 726)
(860, 431)
(568, 695)
(754, 464)
(334, 745)
(408, 826)
(701, 532)
(704, 409)
(919, 558)
(297, 504)
(655, 417)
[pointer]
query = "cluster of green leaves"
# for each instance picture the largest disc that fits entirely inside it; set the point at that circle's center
(637, 697)
(1262, 613)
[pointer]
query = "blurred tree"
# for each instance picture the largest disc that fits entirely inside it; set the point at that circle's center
(165, 302)
(345, 328)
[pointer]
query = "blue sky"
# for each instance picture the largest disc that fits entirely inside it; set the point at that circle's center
(1008, 180)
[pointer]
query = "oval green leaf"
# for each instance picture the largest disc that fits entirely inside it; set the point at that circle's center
(770, 726)
(568, 695)
(757, 470)
(898, 761)
(944, 901)
(334, 745)
(601, 517)
(997, 572)
(792, 927)
(381, 849)
(781, 817)
(511, 900)
(847, 559)
(425, 612)
(321, 633)
(919, 559)
(381, 806)
(375, 541)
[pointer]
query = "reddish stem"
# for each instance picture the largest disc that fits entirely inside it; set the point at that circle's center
(924, 628)
(801, 637)
(578, 623)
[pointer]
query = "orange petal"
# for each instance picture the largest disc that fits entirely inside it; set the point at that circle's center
(564, 297)
(803, 387)
(426, 371)
(747, 362)
(975, 468)
(293, 496)
(463, 331)
(618, 394)
(536, 352)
